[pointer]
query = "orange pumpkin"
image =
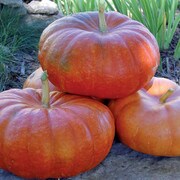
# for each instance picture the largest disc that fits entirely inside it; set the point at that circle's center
(34, 81)
(58, 138)
(149, 121)
(105, 56)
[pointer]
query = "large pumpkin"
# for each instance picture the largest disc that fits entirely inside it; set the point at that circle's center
(149, 120)
(71, 135)
(112, 61)
(34, 81)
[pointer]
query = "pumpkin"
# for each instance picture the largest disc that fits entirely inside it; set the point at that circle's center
(105, 55)
(149, 121)
(60, 137)
(34, 81)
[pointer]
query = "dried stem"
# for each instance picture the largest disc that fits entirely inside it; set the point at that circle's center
(45, 90)
(164, 97)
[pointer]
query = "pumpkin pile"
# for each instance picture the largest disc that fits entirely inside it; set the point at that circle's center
(60, 127)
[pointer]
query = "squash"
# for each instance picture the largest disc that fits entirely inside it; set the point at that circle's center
(149, 121)
(34, 81)
(105, 55)
(61, 136)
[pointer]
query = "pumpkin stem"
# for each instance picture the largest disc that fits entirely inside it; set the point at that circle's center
(45, 89)
(164, 97)
(102, 21)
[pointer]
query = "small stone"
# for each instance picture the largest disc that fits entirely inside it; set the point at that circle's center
(12, 3)
(21, 10)
(42, 7)
(39, 21)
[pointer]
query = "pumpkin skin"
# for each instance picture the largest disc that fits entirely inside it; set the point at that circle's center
(72, 136)
(146, 125)
(80, 59)
(34, 81)
(159, 86)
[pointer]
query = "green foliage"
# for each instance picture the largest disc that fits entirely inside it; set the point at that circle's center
(68, 7)
(8, 31)
(14, 36)
(65, 6)
(119, 6)
(158, 16)
(177, 51)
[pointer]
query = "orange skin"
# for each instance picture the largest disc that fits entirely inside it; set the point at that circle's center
(145, 124)
(34, 81)
(80, 59)
(159, 86)
(73, 135)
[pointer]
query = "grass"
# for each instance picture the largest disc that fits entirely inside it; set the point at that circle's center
(68, 7)
(159, 16)
(177, 51)
(14, 37)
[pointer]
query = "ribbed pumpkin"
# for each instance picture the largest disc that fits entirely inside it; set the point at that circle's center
(149, 121)
(102, 55)
(60, 138)
(34, 81)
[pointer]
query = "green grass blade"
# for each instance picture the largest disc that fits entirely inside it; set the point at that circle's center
(177, 51)
(111, 8)
(59, 5)
(135, 9)
(171, 32)
(124, 7)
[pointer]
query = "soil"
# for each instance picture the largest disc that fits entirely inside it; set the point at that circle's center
(25, 63)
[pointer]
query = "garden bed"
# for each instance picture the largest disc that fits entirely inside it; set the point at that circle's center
(122, 162)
